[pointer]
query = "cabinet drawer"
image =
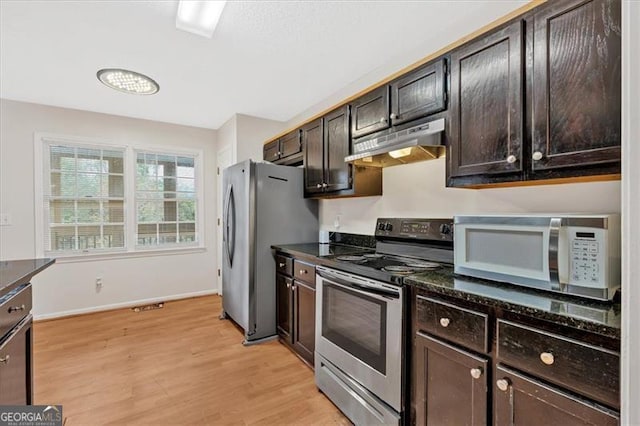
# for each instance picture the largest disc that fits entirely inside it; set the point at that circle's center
(14, 308)
(284, 265)
(455, 324)
(586, 369)
(304, 272)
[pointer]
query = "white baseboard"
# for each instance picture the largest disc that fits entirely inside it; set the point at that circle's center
(128, 304)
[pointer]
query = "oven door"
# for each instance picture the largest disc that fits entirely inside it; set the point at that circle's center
(359, 329)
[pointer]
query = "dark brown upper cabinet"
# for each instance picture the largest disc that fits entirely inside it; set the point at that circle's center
(313, 146)
(419, 93)
(370, 112)
(336, 138)
(286, 150)
(486, 128)
(576, 84)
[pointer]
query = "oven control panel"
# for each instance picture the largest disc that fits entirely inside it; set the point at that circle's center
(422, 229)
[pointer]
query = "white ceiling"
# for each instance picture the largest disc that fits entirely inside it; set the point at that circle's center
(270, 59)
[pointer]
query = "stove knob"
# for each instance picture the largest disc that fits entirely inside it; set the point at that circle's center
(445, 229)
(381, 226)
(388, 227)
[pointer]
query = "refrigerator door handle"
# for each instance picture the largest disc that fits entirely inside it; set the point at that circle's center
(225, 234)
(231, 236)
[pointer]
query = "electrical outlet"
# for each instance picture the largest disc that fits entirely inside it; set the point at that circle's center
(336, 221)
(5, 219)
(98, 284)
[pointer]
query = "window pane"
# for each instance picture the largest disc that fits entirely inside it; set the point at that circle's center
(113, 211)
(113, 162)
(150, 211)
(113, 186)
(89, 160)
(63, 238)
(62, 158)
(168, 233)
(61, 211)
(89, 237)
(113, 236)
(89, 211)
(186, 167)
(63, 184)
(166, 184)
(187, 211)
(89, 185)
(147, 234)
(186, 185)
(166, 165)
(187, 232)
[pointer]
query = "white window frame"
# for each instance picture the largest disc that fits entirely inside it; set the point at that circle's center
(130, 226)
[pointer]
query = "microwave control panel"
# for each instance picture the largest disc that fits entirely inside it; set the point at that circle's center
(586, 253)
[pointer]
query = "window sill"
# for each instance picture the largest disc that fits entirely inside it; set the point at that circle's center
(126, 254)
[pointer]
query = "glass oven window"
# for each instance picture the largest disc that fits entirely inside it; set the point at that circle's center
(356, 323)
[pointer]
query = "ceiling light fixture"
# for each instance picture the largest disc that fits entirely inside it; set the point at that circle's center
(128, 81)
(199, 17)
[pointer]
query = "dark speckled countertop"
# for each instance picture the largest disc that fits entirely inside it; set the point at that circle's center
(317, 250)
(592, 316)
(14, 273)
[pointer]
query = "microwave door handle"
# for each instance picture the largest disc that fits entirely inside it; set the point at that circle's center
(554, 236)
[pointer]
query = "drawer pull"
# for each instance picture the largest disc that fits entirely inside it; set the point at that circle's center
(503, 384)
(293, 288)
(445, 322)
(5, 360)
(281, 265)
(304, 271)
(288, 285)
(476, 373)
(17, 308)
(547, 358)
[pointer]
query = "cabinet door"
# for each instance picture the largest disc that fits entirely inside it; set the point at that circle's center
(271, 151)
(15, 368)
(337, 142)
(486, 104)
(283, 306)
(419, 93)
(523, 401)
(576, 84)
(370, 112)
(304, 320)
(313, 145)
(290, 144)
(451, 384)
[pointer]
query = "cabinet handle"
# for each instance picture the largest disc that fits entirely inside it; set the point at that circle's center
(445, 322)
(319, 185)
(5, 360)
(324, 185)
(476, 372)
(288, 285)
(304, 271)
(383, 120)
(276, 154)
(503, 384)
(547, 358)
(393, 116)
(537, 156)
(281, 265)
(293, 287)
(511, 159)
(17, 308)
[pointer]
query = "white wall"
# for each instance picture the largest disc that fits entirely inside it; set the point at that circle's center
(70, 287)
(252, 132)
(227, 137)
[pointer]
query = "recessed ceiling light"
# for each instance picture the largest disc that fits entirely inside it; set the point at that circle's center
(128, 81)
(199, 17)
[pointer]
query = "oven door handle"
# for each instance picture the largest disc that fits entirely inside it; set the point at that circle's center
(376, 292)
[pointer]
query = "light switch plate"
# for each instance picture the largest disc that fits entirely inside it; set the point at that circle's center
(5, 219)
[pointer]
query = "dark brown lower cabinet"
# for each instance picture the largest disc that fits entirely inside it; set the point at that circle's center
(284, 299)
(520, 400)
(451, 384)
(15, 365)
(304, 322)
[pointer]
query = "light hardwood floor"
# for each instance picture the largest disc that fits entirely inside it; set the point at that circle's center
(175, 365)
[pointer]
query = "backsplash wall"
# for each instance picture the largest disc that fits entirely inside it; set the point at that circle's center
(418, 190)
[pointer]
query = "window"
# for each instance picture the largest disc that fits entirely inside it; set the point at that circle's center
(85, 199)
(106, 199)
(165, 199)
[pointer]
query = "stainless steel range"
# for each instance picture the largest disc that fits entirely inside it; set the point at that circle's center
(361, 317)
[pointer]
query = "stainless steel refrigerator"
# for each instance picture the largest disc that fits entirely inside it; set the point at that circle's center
(263, 205)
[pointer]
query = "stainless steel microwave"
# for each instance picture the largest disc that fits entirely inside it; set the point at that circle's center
(574, 254)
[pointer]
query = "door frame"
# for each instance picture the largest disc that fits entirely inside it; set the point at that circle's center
(224, 159)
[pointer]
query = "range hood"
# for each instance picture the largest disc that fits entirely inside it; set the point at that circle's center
(417, 143)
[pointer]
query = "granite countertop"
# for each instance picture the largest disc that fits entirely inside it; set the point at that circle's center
(318, 250)
(593, 316)
(14, 273)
